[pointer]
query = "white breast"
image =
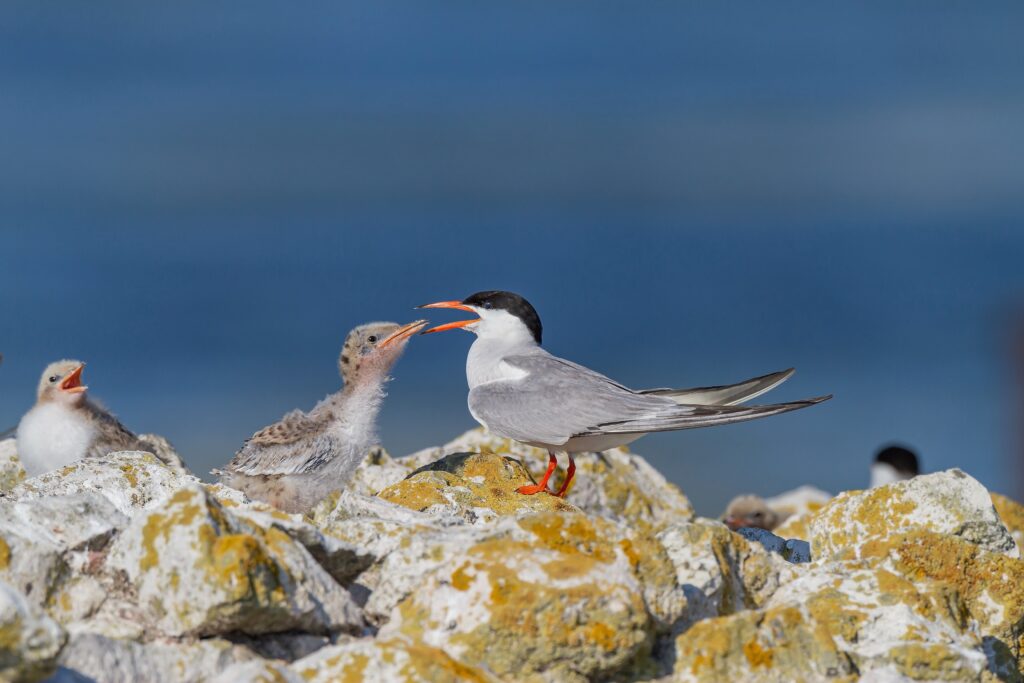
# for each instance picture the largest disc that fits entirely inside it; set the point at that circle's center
(51, 436)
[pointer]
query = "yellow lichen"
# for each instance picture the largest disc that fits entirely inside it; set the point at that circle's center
(757, 656)
(5, 553)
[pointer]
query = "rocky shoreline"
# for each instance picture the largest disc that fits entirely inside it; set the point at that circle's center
(432, 568)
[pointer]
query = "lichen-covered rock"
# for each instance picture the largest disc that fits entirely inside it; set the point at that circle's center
(199, 569)
(765, 645)
(478, 487)
(1012, 515)
(260, 671)
(166, 453)
(386, 659)
(344, 561)
(949, 502)
(719, 571)
(616, 484)
(29, 640)
(881, 621)
(547, 596)
(11, 471)
(46, 543)
(97, 658)
(131, 480)
(377, 471)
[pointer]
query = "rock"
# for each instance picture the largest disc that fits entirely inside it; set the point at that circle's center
(201, 570)
(775, 645)
(551, 594)
(478, 487)
(29, 640)
(344, 561)
(387, 659)
(131, 480)
(166, 453)
(104, 660)
(11, 471)
(949, 502)
(792, 550)
(44, 541)
(1012, 516)
(718, 571)
(259, 671)
(376, 472)
(616, 484)
(881, 621)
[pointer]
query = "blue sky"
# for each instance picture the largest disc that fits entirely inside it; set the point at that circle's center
(201, 201)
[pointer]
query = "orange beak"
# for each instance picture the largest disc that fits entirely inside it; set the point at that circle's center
(450, 326)
(403, 332)
(73, 382)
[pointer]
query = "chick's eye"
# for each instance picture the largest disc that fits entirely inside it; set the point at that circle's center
(372, 339)
(54, 379)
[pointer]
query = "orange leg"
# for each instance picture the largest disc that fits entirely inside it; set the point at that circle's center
(568, 477)
(531, 489)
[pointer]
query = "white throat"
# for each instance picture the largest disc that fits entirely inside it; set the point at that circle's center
(499, 334)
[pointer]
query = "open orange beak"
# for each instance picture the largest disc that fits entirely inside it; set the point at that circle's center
(450, 326)
(73, 382)
(403, 332)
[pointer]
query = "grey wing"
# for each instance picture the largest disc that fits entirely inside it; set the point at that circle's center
(272, 450)
(114, 436)
(9, 433)
(556, 401)
(725, 395)
(691, 417)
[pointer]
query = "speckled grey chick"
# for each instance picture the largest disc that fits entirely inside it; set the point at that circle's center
(294, 463)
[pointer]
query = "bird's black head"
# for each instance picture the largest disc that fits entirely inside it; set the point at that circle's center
(511, 302)
(900, 458)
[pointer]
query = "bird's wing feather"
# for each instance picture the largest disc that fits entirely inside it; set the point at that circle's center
(266, 452)
(726, 395)
(690, 417)
(556, 400)
(113, 436)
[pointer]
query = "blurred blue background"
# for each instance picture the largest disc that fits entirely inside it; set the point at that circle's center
(201, 200)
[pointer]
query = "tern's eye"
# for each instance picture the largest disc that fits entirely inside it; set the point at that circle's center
(372, 339)
(488, 305)
(54, 379)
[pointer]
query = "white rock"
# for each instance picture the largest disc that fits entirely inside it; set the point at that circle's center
(131, 480)
(31, 640)
(11, 471)
(949, 502)
(260, 671)
(201, 569)
(105, 660)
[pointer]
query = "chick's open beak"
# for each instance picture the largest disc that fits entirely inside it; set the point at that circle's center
(73, 382)
(403, 332)
(454, 325)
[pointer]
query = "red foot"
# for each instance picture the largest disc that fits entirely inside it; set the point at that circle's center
(531, 489)
(568, 477)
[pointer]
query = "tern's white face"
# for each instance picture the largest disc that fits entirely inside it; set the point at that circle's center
(499, 324)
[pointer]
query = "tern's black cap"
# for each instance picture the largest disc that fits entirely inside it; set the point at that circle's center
(511, 302)
(902, 459)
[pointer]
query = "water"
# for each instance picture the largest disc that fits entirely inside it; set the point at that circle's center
(201, 202)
